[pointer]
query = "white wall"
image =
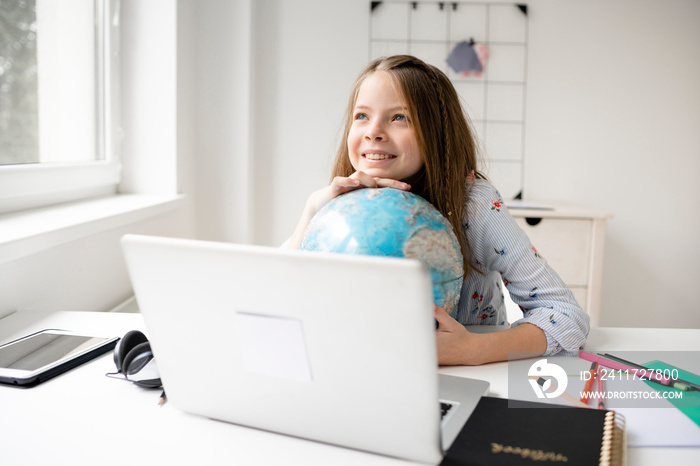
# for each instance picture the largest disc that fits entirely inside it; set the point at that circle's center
(220, 87)
(306, 58)
(612, 107)
(613, 112)
(83, 275)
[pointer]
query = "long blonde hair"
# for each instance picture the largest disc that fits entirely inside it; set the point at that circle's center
(443, 133)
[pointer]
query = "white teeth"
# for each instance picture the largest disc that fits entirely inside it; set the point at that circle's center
(377, 156)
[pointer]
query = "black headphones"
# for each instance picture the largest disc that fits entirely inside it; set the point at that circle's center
(134, 360)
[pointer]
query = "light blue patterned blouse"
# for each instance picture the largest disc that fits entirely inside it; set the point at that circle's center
(502, 249)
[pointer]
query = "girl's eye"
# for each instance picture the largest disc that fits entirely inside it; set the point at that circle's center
(360, 116)
(400, 118)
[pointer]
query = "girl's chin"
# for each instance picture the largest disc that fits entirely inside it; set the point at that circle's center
(372, 170)
(380, 174)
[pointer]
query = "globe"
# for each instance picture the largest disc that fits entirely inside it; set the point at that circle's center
(394, 223)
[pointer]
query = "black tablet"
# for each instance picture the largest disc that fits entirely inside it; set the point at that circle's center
(38, 357)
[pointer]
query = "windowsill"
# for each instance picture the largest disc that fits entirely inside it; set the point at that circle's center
(29, 232)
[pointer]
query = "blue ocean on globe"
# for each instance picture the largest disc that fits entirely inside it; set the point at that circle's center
(395, 223)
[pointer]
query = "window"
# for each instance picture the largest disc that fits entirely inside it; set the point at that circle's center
(58, 112)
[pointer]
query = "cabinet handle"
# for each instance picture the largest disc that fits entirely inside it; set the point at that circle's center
(532, 221)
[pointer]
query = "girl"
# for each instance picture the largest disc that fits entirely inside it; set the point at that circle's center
(405, 129)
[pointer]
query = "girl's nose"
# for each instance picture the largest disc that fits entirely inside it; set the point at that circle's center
(376, 132)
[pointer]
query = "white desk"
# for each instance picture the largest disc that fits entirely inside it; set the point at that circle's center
(85, 418)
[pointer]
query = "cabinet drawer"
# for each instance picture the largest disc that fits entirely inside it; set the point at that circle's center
(565, 244)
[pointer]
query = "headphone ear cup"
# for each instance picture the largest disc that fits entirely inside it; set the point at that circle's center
(128, 342)
(140, 367)
(137, 358)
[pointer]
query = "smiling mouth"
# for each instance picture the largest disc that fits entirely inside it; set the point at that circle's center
(375, 156)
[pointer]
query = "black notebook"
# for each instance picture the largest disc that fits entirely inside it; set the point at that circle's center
(536, 433)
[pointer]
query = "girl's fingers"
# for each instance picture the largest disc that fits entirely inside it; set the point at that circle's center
(341, 184)
(444, 319)
(389, 183)
(375, 182)
(364, 179)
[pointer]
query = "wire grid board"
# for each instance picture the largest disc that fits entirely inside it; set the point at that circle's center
(494, 99)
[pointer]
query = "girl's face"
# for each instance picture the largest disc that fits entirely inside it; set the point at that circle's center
(381, 141)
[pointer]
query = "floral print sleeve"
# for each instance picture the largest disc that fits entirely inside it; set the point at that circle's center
(503, 251)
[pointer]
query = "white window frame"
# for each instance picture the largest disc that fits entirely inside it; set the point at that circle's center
(149, 186)
(29, 186)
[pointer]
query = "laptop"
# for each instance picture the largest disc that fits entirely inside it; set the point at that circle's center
(334, 348)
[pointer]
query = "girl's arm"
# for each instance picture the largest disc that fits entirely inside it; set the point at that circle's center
(553, 321)
(457, 346)
(339, 185)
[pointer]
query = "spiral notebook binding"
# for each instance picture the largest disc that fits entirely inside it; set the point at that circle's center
(613, 449)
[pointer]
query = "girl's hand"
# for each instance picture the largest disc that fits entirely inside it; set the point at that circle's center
(453, 340)
(339, 185)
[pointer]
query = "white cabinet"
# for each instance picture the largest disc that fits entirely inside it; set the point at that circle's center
(571, 239)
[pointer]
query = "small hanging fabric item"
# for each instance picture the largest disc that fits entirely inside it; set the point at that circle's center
(468, 58)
